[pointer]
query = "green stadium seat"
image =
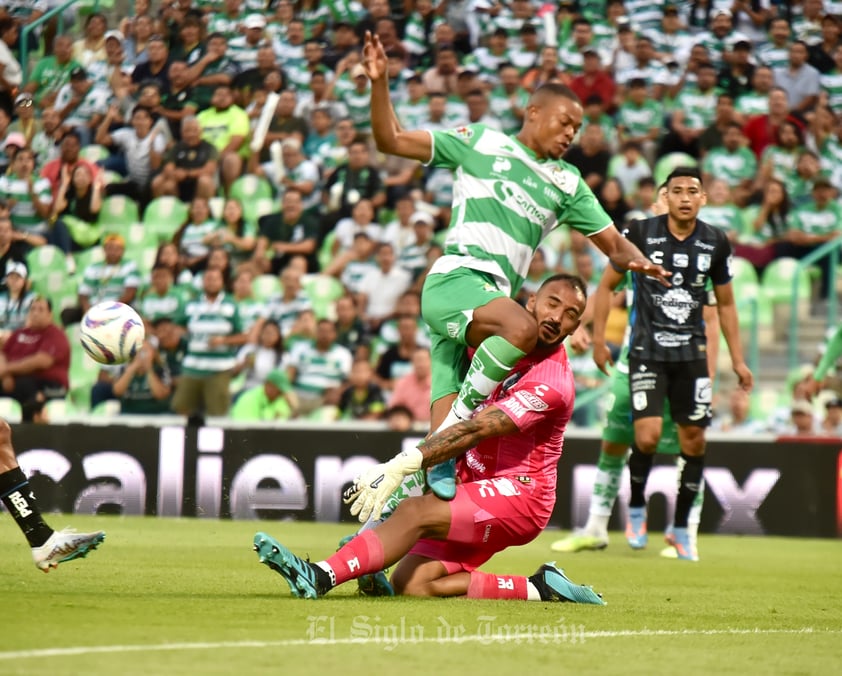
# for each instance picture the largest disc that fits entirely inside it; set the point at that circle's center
(164, 216)
(266, 286)
(10, 410)
(88, 257)
(118, 210)
(743, 271)
(778, 278)
(323, 291)
(44, 260)
(110, 408)
(59, 410)
(249, 188)
(255, 208)
(94, 153)
(325, 255)
(665, 165)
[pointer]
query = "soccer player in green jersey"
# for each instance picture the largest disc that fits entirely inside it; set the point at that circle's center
(509, 192)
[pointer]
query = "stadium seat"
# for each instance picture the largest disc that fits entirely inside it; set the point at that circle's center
(110, 408)
(743, 272)
(255, 208)
(778, 278)
(44, 260)
(94, 153)
(10, 410)
(87, 257)
(325, 255)
(58, 410)
(665, 165)
(118, 210)
(164, 216)
(266, 286)
(323, 291)
(216, 205)
(250, 188)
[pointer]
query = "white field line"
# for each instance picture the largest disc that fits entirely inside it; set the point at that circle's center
(576, 636)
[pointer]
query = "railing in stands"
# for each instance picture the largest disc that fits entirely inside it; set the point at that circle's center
(25, 32)
(830, 249)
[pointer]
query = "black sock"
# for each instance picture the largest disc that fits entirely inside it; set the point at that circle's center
(19, 500)
(639, 465)
(691, 468)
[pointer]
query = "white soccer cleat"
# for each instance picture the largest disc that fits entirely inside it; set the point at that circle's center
(65, 545)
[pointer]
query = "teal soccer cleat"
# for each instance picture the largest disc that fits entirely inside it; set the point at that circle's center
(553, 585)
(299, 574)
(442, 479)
(636, 534)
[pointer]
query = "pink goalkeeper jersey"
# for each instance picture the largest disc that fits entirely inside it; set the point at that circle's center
(538, 396)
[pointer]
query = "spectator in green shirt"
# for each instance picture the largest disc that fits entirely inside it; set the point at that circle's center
(273, 400)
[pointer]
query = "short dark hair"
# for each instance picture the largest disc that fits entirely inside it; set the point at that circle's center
(574, 281)
(685, 172)
(555, 89)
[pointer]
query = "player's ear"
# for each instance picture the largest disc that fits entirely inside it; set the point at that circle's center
(704, 198)
(530, 303)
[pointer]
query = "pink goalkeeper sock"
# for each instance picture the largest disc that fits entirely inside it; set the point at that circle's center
(362, 555)
(490, 586)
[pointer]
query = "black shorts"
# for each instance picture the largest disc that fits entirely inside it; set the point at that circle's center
(685, 384)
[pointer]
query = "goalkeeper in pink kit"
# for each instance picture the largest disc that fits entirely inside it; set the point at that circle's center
(508, 454)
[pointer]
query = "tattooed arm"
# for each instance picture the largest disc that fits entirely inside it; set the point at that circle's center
(452, 442)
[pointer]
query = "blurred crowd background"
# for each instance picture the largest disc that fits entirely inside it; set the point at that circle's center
(281, 279)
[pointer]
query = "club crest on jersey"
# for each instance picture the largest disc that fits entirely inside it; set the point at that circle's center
(677, 279)
(680, 260)
(501, 165)
(462, 132)
(703, 262)
(565, 179)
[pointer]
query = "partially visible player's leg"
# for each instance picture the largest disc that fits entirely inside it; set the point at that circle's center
(49, 548)
(467, 307)
(370, 552)
(617, 436)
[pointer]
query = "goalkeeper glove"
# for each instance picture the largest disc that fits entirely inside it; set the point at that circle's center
(372, 488)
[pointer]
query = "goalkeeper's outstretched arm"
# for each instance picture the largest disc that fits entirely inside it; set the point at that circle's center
(454, 441)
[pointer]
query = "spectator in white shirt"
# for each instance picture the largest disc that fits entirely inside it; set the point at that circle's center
(381, 287)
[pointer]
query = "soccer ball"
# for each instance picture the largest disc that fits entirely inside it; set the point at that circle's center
(111, 332)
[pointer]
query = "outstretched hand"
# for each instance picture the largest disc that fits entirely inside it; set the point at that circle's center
(374, 57)
(648, 268)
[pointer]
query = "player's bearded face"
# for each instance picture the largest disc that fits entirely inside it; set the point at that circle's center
(558, 309)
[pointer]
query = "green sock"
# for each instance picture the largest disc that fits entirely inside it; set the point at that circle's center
(606, 485)
(493, 361)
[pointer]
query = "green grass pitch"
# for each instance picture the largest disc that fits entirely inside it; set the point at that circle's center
(165, 596)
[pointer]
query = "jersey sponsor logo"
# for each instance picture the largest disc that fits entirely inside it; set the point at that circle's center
(529, 182)
(703, 391)
(532, 402)
(655, 240)
(703, 262)
(517, 409)
(462, 132)
(519, 202)
(704, 245)
(501, 165)
(677, 279)
(668, 339)
(680, 260)
(677, 304)
(657, 257)
(474, 462)
(552, 196)
(565, 179)
(639, 401)
(453, 329)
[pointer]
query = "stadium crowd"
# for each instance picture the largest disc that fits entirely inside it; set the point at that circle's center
(283, 281)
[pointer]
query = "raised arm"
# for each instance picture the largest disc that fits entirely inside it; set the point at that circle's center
(388, 134)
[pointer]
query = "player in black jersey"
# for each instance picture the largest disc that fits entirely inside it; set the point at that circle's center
(667, 346)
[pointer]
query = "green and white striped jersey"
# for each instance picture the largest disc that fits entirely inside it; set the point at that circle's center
(814, 221)
(732, 167)
(286, 312)
(832, 84)
(500, 105)
(752, 103)
(153, 306)
(206, 319)
(774, 57)
(319, 371)
(505, 201)
(193, 238)
(103, 281)
(24, 216)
